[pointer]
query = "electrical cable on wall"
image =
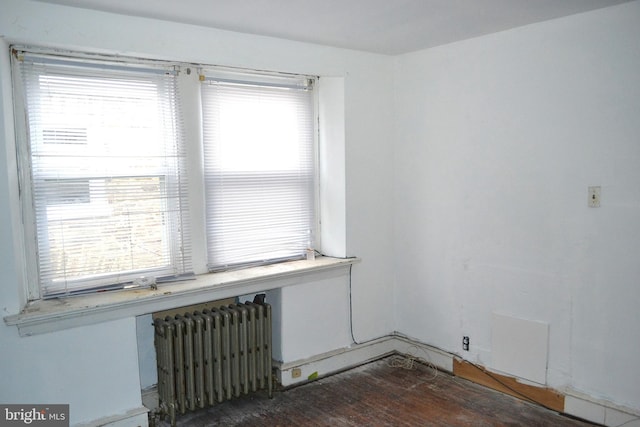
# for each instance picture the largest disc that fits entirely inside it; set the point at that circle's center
(353, 338)
(406, 360)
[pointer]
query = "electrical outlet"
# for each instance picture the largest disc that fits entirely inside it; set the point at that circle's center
(296, 373)
(465, 343)
(594, 197)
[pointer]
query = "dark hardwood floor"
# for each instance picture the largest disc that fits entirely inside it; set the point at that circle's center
(378, 394)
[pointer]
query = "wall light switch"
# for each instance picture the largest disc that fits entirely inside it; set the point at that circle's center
(594, 197)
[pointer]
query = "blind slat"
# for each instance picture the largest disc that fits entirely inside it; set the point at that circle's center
(108, 173)
(259, 172)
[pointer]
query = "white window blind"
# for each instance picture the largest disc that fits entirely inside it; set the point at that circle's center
(259, 162)
(107, 172)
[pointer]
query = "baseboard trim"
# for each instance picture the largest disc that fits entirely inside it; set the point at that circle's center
(358, 354)
(598, 411)
(332, 362)
(509, 385)
(566, 402)
(411, 347)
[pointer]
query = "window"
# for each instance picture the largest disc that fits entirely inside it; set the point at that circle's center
(104, 179)
(259, 169)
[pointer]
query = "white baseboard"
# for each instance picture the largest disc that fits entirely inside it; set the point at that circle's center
(333, 361)
(599, 411)
(358, 354)
(136, 417)
(576, 404)
(411, 347)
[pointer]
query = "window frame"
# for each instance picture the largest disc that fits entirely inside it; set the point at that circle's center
(248, 83)
(187, 76)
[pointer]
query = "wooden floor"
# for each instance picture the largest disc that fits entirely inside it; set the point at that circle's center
(378, 394)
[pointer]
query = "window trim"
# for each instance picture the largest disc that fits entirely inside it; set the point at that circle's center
(44, 316)
(28, 245)
(32, 283)
(288, 87)
(332, 176)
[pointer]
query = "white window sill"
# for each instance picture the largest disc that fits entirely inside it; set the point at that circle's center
(44, 316)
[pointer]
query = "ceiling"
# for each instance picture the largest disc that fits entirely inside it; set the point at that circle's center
(381, 26)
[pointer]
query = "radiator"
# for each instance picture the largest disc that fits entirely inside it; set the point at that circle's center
(211, 356)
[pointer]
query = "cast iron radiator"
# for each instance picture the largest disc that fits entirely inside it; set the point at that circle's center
(211, 356)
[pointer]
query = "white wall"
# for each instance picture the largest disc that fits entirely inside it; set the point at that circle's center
(310, 318)
(94, 369)
(498, 138)
(495, 142)
(60, 366)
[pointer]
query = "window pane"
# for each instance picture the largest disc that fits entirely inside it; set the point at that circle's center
(118, 227)
(107, 173)
(259, 172)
